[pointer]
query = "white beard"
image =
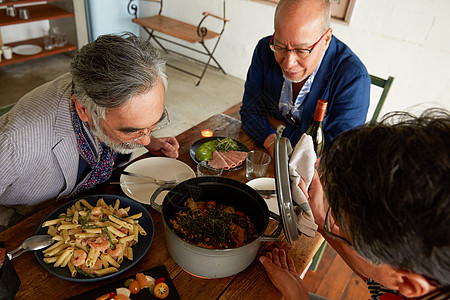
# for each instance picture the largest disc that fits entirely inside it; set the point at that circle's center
(97, 130)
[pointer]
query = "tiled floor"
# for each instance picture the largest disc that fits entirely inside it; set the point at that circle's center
(186, 103)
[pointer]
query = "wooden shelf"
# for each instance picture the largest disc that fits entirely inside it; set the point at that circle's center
(40, 42)
(37, 13)
(14, 2)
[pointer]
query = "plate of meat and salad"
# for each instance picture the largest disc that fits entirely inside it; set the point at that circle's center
(220, 152)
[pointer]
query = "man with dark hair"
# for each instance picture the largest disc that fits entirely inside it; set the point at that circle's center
(291, 70)
(386, 193)
(65, 136)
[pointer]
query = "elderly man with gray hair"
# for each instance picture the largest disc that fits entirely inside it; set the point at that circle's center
(67, 135)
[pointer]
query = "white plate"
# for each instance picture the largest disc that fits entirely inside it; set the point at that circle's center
(163, 168)
(27, 49)
(266, 184)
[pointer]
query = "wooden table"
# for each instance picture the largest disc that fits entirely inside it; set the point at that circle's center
(252, 283)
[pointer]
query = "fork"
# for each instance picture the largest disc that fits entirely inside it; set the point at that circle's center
(151, 179)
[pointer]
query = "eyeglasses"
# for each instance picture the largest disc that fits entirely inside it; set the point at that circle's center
(163, 122)
(328, 228)
(302, 53)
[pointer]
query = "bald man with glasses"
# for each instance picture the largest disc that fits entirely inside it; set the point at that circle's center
(292, 69)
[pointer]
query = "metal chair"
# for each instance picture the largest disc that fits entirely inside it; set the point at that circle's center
(183, 31)
(385, 84)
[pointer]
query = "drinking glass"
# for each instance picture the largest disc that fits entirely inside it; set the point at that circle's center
(24, 13)
(203, 169)
(7, 52)
(256, 162)
(48, 40)
(60, 37)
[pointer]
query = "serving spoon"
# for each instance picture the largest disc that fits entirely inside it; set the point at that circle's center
(32, 243)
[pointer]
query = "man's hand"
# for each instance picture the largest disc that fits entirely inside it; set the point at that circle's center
(166, 146)
(281, 271)
(316, 199)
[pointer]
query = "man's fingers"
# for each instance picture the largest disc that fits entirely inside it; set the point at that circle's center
(283, 260)
(276, 257)
(291, 265)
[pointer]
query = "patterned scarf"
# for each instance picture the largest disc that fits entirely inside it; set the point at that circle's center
(99, 157)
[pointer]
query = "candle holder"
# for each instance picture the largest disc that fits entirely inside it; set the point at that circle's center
(207, 133)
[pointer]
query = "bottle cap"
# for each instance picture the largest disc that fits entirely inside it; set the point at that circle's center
(322, 104)
(320, 110)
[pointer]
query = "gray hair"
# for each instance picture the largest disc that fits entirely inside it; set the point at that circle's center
(325, 6)
(114, 68)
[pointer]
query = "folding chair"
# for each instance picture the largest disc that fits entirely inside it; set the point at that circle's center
(184, 31)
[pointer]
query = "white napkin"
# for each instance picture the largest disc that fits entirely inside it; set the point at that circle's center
(301, 165)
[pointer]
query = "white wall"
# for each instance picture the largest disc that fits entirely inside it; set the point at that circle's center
(407, 39)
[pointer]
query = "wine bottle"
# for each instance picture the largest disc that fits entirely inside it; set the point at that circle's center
(315, 130)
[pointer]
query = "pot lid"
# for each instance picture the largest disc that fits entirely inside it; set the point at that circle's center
(282, 153)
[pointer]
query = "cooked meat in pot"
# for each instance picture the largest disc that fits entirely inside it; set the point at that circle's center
(211, 225)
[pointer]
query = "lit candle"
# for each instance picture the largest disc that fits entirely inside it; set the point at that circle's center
(207, 133)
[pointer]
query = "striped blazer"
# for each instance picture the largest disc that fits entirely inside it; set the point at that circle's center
(38, 150)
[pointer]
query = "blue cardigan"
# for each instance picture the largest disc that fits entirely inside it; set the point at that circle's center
(342, 80)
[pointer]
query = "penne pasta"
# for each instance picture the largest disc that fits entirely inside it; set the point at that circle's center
(126, 239)
(68, 226)
(52, 230)
(75, 217)
(86, 204)
(120, 222)
(63, 256)
(111, 260)
(105, 271)
(141, 230)
(134, 217)
(55, 251)
(51, 222)
(85, 235)
(65, 235)
(73, 271)
(93, 230)
(101, 202)
(116, 232)
(92, 257)
(56, 245)
(92, 239)
(129, 252)
(116, 205)
(50, 260)
(78, 205)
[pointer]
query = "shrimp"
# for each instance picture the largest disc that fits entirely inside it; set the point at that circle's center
(78, 257)
(98, 265)
(116, 252)
(96, 211)
(122, 213)
(81, 241)
(100, 244)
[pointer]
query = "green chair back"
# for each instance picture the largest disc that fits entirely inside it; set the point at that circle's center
(6, 108)
(385, 84)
